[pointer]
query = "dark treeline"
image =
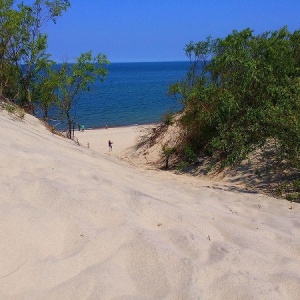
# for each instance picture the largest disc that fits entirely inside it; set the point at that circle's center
(242, 93)
(27, 73)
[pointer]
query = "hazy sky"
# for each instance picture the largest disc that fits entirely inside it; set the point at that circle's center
(158, 30)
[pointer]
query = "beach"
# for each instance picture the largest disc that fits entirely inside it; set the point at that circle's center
(81, 222)
(122, 138)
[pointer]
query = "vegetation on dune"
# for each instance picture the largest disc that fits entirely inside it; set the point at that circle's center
(242, 93)
(12, 108)
(23, 46)
(27, 74)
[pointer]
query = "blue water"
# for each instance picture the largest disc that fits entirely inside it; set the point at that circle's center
(132, 93)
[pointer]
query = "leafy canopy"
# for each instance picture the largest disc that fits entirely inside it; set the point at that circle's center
(240, 92)
(71, 79)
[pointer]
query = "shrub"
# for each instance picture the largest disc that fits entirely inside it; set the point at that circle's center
(240, 92)
(168, 152)
(189, 155)
(168, 119)
(15, 110)
(296, 185)
(10, 108)
(20, 113)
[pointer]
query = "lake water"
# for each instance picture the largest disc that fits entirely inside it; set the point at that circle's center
(132, 93)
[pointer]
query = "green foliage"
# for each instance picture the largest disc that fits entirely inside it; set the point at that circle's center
(21, 113)
(168, 119)
(26, 71)
(15, 110)
(167, 153)
(71, 79)
(31, 43)
(240, 92)
(188, 154)
(293, 197)
(44, 87)
(23, 46)
(9, 25)
(296, 185)
(10, 108)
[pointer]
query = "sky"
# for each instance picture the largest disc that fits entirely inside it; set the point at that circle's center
(159, 30)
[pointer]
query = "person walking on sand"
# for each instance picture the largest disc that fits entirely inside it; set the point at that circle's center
(82, 127)
(110, 145)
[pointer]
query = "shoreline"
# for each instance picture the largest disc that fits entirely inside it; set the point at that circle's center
(123, 126)
(123, 137)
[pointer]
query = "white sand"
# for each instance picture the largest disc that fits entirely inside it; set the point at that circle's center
(122, 138)
(78, 223)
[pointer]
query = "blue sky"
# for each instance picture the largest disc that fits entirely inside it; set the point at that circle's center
(158, 30)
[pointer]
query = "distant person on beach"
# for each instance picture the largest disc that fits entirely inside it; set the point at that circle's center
(78, 127)
(110, 145)
(106, 126)
(82, 127)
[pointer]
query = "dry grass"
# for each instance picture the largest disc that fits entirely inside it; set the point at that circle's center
(52, 129)
(12, 108)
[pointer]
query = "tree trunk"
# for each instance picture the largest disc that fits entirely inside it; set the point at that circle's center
(69, 134)
(167, 162)
(30, 108)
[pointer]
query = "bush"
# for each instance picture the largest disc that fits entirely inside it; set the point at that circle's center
(189, 155)
(168, 152)
(15, 110)
(20, 113)
(293, 197)
(168, 119)
(10, 108)
(240, 92)
(296, 185)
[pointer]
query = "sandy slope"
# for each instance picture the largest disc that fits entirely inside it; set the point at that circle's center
(78, 223)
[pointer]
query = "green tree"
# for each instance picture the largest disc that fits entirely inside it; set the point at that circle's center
(44, 88)
(9, 26)
(75, 78)
(167, 153)
(245, 94)
(29, 44)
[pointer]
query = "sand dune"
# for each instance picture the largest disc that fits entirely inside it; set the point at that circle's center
(78, 223)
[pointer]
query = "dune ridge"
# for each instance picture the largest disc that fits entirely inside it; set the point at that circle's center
(78, 223)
